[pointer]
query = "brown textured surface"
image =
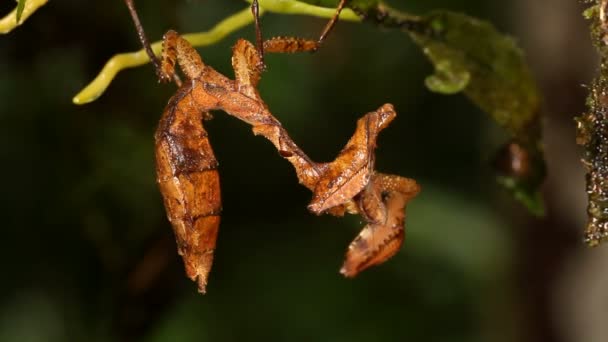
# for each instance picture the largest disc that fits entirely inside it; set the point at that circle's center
(189, 182)
(187, 168)
(382, 237)
(289, 45)
(350, 171)
(593, 134)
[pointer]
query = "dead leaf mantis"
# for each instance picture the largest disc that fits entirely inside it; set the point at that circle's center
(187, 168)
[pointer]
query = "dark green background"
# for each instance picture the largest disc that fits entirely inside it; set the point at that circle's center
(88, 254)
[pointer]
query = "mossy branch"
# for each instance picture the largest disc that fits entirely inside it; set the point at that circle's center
(592, 134)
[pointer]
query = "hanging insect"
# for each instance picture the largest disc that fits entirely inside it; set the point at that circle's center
(187, 169)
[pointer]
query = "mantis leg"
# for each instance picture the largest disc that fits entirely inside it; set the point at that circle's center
(330, 25)
(289, 45)
(141, 34)
(248, 64)
(255, 10)
(177, 48)
(406, 187)
(314, 45)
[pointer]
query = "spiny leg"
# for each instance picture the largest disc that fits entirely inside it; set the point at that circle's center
(176, 48)
(247, 61)
(312, 45)
(289, 45)
(406, 187)
(145, 43)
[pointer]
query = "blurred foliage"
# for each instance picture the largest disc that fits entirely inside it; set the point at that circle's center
(471, 56)
(89, 253)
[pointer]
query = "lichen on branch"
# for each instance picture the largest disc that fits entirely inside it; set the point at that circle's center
(592, 131)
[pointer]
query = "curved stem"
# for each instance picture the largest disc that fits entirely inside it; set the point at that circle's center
(9, 22)
(302, 8)
(134, 59)
(243, 18)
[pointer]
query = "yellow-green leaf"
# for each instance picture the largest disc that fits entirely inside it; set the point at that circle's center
(471, 56)
(20, 7)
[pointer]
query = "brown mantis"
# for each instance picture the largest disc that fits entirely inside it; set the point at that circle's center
(187, 169)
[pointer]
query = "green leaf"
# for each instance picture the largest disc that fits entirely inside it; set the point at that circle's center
(525, 189)
(471, 56)
(500, 82)
(521, 170)
(531, 199)
(447, 80)
(20, 7)
(590, 12)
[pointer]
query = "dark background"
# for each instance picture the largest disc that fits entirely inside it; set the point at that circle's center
(88, 254)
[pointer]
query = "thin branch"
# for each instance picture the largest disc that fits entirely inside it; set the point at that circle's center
(236, 21)
(134, 59)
